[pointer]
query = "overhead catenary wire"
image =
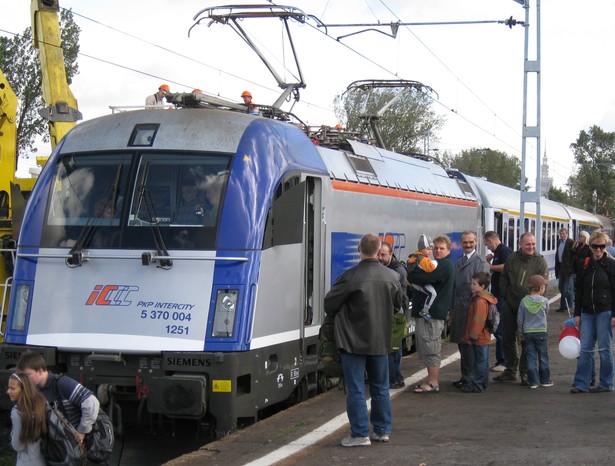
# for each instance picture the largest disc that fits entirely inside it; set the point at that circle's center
(328, 109)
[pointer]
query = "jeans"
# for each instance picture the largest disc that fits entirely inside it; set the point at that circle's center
(595, 328)
(377, 367)
(466, 361)
(566, 288)
(480, 366)
(395, 367)
(499, 341)
(515, 362)
(535, 347)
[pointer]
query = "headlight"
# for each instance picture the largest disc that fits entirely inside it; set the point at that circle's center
(224, 318)
(22, 299)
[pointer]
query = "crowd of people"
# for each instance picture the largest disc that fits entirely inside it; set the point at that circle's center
(365, 299)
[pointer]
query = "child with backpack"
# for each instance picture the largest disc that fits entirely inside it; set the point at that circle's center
(28, 419)
(421, 259)
(477, 335)
(532, 329)
(91, 429)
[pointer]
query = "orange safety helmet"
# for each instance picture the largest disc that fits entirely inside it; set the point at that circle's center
(197, 91)
(246, 94)
(164, 87)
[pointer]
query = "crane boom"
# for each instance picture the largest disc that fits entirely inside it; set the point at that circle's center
(61, 110)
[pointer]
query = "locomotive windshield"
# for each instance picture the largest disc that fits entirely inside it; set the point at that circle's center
(114, 200)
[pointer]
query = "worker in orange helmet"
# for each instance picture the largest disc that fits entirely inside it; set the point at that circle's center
(156, 100)
(247, 101)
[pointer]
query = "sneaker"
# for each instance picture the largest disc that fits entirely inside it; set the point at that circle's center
(396, 385)
(380, 438)
(524, 381)
(498, 368)
(351, 441)
(548, 384)
(506, 376)
(533, 386)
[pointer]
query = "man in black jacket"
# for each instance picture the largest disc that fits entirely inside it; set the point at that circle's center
(564, 270)
(387, 258)
(363, 300)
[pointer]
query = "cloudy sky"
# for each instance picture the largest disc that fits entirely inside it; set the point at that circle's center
(131, 47)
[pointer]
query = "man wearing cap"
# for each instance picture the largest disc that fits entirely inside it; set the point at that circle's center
(156, 100)
(522, 263)
(466, 266)
(247, 101)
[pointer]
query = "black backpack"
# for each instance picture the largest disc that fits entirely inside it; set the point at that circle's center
(61, 447)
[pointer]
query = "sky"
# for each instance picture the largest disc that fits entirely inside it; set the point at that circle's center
(129, 48)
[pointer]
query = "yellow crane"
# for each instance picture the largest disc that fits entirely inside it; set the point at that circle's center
(61, 110)
(62, 114)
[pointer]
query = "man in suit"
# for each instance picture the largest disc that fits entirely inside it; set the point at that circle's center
(564, 271)
(465, 267)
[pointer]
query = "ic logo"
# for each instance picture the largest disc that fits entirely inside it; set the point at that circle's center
(111, 295)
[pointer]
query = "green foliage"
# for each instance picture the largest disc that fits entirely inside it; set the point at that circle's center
(559, 195)
(593, 185)
(493, 165)
(403, 126)
(20, 63)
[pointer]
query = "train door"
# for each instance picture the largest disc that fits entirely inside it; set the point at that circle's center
(313, 270)
(505, 231)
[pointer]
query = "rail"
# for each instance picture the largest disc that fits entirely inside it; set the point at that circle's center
(87, 256)
(6, 288)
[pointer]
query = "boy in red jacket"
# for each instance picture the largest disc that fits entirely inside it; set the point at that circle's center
(476, 334)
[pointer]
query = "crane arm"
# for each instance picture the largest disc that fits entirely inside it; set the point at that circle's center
(61, 110)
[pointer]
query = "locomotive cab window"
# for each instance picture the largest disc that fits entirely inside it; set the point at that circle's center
(116, 200)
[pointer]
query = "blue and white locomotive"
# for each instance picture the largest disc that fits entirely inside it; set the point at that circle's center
(180, 258)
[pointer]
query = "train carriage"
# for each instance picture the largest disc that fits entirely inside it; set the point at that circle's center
(179, 259)
(501, 214)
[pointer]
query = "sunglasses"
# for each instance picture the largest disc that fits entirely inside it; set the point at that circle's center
(598, 246)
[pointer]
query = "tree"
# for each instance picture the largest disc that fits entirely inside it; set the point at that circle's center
(404, 126)
(594, 182)
(19, 62)
(493, 165)
(559, 195)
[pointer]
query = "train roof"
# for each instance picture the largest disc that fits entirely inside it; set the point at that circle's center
(372, 165)
(112, 132)
(583, 217)
(508, 199)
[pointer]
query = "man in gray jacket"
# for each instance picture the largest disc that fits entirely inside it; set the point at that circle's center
(363, 300)
(465, 267)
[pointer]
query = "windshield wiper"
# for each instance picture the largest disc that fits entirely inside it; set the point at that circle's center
(89, 230)
(145, 198)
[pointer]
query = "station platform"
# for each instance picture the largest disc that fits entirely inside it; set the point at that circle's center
(509, 424)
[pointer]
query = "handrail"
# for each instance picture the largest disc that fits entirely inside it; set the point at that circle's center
(6, 286)
(139, 257)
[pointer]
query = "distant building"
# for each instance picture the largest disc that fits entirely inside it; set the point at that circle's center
(545, 181)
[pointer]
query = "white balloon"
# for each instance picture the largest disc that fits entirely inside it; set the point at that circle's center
(570, 347)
